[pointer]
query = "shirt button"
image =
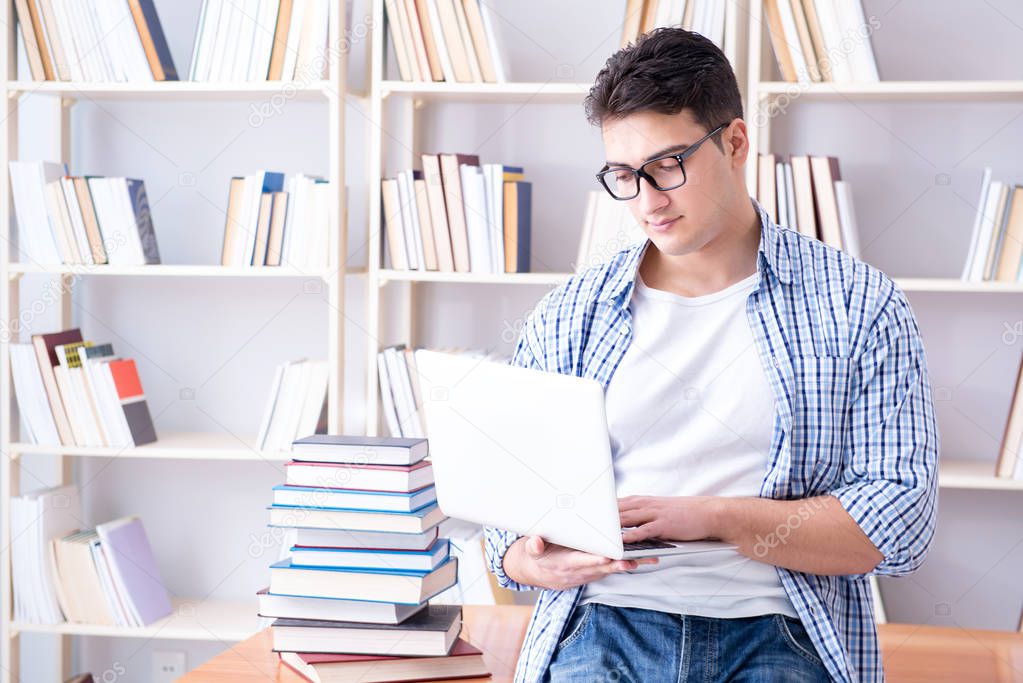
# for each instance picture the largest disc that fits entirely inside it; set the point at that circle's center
(774, 361)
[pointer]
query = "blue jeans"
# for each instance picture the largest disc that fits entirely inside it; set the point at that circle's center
(608, 644)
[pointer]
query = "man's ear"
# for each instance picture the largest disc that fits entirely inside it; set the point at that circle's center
(736, 142)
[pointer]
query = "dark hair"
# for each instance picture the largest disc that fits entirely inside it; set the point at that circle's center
(665, 71)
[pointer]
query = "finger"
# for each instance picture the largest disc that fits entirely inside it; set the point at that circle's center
(636, 517)
(535, 546)
(618, 566)
(640, 533)
(629, 502)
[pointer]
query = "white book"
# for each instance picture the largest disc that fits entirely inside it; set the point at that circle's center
(242, 54)
(67, 186)
(312, 401)
(790, 196)
(293, 404)
(106, 25)
(831, 28)
(123, 194)
(197, 41)
(128, 35)
(113, 599)
(438, 36)
(263, 40)
(43, 515)
(978, 220)
(780, 195)
(312, 41)
(474, 201)
(298, 10)
(91, 50)
(319, 257)
(401, 384)
(497, 53)
(987, 230)
(66, 32)
(788, 23)
(854, 26)
(716, 27)
(104, 48)
(37, 240)
(230, 36)
(587, 232)
(30, 392)
(276, 436)
(410, 223)
(107, 404)
(387, 397)
(493, 176)
(847, 218)
(268, 411)
(466, 36)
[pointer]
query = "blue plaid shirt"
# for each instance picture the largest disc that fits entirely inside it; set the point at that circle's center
(854, 419)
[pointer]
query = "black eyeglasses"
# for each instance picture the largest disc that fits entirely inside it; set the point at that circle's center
(663, 173)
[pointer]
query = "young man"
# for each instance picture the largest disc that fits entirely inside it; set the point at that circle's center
(761, 387)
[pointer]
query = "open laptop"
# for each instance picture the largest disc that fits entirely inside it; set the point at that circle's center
(529, 452)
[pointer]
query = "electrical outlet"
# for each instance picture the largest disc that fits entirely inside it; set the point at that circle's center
(168, 666)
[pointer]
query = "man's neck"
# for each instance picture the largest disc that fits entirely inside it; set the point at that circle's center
(727, 259)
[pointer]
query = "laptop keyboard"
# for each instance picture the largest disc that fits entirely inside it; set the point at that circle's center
(649, 544)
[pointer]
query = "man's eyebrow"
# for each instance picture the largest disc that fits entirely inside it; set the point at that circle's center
(667, 150)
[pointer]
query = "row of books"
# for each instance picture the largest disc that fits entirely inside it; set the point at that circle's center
(996, 242)
(819, 41)
(268, 225)
(367, 559)
(297, 405)
(73, 392)
(263, 40)
(807, 193)
(105, 575)
(458, 216)
(706, 17)
(101, 40)
(445, 40)
(86, 220)
(608, 227)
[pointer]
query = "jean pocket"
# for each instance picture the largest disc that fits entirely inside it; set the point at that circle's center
(576, 623)
(795, 636)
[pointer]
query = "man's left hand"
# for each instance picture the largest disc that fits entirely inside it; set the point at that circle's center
(672, 518)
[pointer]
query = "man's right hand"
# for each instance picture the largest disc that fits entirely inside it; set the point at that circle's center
(533, 562)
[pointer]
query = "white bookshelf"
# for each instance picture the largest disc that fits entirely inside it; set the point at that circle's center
(200, 619)
(413, 97)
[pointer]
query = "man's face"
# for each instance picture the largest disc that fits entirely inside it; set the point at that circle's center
(685, 219)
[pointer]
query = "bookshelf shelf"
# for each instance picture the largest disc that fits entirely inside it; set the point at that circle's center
(204, 271)
(387, 275)
(171, 446)
(172, 90)
(481, 93)
(192, 619)
(897, 90)
(913, 284)
(219, 620)
(974, 474)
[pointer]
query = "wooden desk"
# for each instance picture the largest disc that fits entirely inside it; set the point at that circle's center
(912, 654)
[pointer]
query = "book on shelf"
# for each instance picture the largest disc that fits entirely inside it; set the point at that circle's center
(996, 242)
(35, 519)
(458, 216)
(297, 405)
(275, 40)
(706, 17)
(445, 40)
(807, 194)
(463, 661)
(76, 393)
(360, 573)
(110, 41)
(1010, 453)
(81, 220)
(608, 227)
(273, 222)
(817, 41)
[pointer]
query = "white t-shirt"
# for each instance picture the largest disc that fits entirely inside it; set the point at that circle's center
(690, 413)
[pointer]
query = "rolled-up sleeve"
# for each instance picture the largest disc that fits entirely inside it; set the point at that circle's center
(891, 470)
(528, 354)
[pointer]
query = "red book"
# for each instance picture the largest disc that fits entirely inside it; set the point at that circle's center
(133, 401)
(464, 661)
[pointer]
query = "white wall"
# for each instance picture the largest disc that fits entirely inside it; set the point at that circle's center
(222, 338)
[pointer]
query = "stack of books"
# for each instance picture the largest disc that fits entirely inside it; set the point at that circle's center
(87, 220)
(458, 216)
(108, 40)
(73, 392)
(608, 227)
(367, 555)
(268, 40)
(807, 193)
(996, 243)
(706, 17)
(445, 40)
(821, 41)
(297, 405)
(104, 576)
(270, 226)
